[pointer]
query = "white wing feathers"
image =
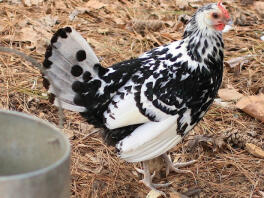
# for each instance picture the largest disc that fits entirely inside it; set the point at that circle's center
(150, 140)
(123, 112)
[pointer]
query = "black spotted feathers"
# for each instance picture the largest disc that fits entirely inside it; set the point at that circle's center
(179, 79)
(81, 55)
(76, 70)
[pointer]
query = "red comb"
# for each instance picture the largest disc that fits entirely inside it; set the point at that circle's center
(225, 12)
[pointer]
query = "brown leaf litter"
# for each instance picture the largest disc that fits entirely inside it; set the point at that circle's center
(229, 94)
(108, 25)
(255, 150)
(253, 105)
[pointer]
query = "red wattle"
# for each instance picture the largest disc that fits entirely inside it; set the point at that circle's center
(220, 27)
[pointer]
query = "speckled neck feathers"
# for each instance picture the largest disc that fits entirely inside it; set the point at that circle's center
(202, 42)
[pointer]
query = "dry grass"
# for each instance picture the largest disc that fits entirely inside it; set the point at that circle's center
(120, 30)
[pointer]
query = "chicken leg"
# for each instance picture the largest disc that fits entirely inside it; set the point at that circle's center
(147, 178)
(170, 166)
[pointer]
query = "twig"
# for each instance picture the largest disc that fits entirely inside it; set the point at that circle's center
(35, 63)
(253, 189)
(30, 59)
(91, 133)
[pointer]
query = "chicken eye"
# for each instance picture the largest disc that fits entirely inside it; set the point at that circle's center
(215, 15)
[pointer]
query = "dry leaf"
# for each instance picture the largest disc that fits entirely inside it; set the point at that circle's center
(48, 20)
(229, 94)
(255, 150)
(85, 127)
(103, 30)
(91, 157)
(238, 61)
(95, 4)
(119, 21)
(37, 36)
(95, 43)
(14, 1)
(259, 7)
(74, 13)
(261, 193)
(174, 195)
(241, 18)
(141, 25)
(31, 2)
(43, 40)
(219, 102)
(246, 2)
(68, 133)
(252, 105)
(60, 4)
(154, 194)
(166, 4)
(26, 34)
(182, 4)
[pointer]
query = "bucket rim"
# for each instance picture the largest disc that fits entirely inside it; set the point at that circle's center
(41, 171)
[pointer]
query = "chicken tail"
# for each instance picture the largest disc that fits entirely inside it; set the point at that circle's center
(69, 63)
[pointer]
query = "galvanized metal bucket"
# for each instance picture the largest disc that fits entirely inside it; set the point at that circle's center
(34, 158)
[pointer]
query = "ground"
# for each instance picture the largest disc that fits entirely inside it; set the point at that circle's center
(119, 30)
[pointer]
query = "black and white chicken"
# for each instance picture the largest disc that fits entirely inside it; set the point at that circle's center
(145, 105)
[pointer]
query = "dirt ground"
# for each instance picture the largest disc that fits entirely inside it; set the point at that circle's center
(119, 30)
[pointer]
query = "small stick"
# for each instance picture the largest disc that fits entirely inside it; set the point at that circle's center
(35, 63)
